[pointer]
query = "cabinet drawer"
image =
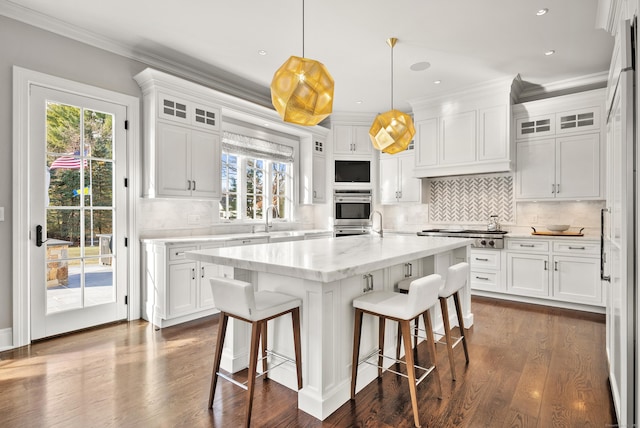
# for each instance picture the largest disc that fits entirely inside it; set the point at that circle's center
(577, 248)
(489, 281)
(177, 253)
(528, 245)
(246, 241)
(485, 259)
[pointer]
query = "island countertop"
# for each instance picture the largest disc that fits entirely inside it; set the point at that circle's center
(331, 259)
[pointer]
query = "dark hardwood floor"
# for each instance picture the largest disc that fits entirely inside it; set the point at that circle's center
(531, 366)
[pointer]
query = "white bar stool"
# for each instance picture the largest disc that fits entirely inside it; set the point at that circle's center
(457, 276)
(237, 299)
(402, 308)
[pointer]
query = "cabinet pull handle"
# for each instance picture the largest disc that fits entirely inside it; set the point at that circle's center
(315, 194)
(553, 188)
(482, 260)
(193, 273)
(247, 241)
(202, 270)
(557, 188)
(410, 269)
(188, 184)
(179, 253)
(576, 248)
(555, 266)
(527, 245)
(194, 184)
(546, 265)
(482, 278)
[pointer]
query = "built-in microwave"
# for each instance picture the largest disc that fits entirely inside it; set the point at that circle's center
(352, 171)
(351, 207)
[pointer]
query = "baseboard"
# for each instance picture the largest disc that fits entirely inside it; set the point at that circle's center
(6, 339)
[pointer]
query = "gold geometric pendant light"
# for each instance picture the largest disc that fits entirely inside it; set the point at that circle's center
(302, 89)
(391, 132)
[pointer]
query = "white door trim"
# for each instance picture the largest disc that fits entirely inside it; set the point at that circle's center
(22, 80)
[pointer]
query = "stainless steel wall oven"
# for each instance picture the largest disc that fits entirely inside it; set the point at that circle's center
(351, 210)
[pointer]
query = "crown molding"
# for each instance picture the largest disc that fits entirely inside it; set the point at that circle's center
(188, 70)
(531, 92)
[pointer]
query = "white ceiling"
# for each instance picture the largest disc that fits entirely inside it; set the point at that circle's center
(467, 42)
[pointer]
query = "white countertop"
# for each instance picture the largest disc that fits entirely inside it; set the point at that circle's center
(231, 236)
(330, 259)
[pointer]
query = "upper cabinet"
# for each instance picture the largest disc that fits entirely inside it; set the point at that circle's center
(464, 133)
(351, 140)
(181, 139)
(397, 182)
(313, 169)
(559, 147)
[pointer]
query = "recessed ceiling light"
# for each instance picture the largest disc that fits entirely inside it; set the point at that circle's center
(437, 82)
(550, 52)
(420, 66)
(359, 102)
(262, 52)
(542, 12)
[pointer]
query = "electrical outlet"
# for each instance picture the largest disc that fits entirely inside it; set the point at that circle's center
(193, 219)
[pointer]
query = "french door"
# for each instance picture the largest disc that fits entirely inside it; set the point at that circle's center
(78, 211)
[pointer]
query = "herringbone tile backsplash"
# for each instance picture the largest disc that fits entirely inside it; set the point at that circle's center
(471, 199)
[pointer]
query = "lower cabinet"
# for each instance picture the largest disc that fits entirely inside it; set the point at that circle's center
(177, 289)
(565, 272)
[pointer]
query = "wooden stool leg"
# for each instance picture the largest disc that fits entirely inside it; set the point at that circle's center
(381, 324)
(456, 299)
(399, 342)
(428, 326)
(253, 363)
(447, 335)
(263, 342)
(295, 318)
(222, 330)
(408, 355)
(357, 330)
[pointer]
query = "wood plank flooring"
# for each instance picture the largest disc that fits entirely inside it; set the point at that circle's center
(531, 366)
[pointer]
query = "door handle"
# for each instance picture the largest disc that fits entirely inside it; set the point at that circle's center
(39, 240)
(603, 277)
(194, 184)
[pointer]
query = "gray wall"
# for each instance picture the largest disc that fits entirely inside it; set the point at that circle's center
(42, 51)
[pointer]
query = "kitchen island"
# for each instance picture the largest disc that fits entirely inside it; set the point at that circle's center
(327, 274)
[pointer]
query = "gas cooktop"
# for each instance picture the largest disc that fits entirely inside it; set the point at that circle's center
(483, 238)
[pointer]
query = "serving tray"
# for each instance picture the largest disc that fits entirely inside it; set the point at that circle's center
(550, 233)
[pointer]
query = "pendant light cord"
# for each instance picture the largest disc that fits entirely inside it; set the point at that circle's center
(302, 28)
(392, 77)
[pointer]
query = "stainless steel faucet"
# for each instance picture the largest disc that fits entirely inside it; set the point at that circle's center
(266, 218)
(371, 220)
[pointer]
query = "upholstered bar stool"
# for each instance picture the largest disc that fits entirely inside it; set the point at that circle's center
(457, 276)
(402, 308)
(237, 299)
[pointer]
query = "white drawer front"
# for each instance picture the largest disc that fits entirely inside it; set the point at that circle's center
(489, 281)
(485, 259)
(576, 248)
(177, 253)
(528, 245)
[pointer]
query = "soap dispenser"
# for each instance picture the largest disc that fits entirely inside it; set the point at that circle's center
(493, 225)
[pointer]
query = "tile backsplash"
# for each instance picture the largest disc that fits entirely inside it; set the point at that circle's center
(471, 199)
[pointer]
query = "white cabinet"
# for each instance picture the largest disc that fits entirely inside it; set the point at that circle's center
(181, 138)
(313, 170)
(464, 133)
(528, 274)
(176, 289)
(486, 270)
(319, 183)
(560, 270)
(559, 148)
(567, 167)
(186, 162)
(351, 140)
(397, 182)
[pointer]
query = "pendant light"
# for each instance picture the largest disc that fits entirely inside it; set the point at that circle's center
(391, 132)
(302, 89)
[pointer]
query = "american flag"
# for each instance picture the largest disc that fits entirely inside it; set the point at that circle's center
(67, 162)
